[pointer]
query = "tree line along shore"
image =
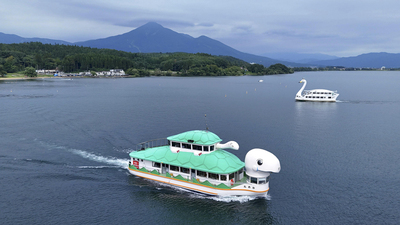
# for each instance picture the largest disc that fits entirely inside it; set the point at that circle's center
(26, 58)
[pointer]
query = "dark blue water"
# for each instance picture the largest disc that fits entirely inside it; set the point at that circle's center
(64, 145)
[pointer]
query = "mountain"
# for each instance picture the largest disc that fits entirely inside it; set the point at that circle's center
(152, 37)
(299, 57)
(12, 38)
(369, 60)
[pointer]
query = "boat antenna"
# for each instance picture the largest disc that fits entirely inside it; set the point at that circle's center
(205, 120)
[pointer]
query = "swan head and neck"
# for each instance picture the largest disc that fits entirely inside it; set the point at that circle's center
(302, 88)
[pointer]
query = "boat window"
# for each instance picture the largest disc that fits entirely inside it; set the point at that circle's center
(188, 146)
(329, 97)
(201, 173)
(262, 180)
(241, 171)
(174, 168)
(156, 164)
(211, 148)
(253, 180)
(197, 147)
(184, 170)
(205, 148)
(231, 176)
(213, 176)
(223, 177)
(176, 144)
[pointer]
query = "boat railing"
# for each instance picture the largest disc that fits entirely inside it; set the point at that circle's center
(152, 144)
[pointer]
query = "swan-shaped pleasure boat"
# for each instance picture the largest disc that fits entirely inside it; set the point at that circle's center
(315, 95)
(196, 161)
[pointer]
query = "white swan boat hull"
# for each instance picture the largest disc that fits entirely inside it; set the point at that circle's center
(319, 96)
(315, 95)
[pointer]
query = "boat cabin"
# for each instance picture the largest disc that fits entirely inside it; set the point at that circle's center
(192, 155)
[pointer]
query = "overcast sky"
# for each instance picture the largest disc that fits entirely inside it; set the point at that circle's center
(335, 27)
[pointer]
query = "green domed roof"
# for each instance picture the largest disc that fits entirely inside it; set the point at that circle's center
(200, 137)
(219, 161)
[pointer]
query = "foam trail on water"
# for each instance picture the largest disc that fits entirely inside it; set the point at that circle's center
(241, 199)
(115, 162)
(123, 163)
(97, 167)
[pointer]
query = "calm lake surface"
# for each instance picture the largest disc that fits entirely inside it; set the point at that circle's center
(64, 147)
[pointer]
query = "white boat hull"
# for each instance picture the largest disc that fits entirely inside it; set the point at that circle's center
(245, 189)
(326, 99)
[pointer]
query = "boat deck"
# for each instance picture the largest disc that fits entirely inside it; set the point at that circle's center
(194, 181)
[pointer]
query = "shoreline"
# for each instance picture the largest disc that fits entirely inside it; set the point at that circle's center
(21, 78)
(25, 78)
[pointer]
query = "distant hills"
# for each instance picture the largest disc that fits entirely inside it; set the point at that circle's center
(152, 37)
(299, 57)
(369, 60)
(12, 38)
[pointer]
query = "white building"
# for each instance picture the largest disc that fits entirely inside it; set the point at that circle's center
(114, 72)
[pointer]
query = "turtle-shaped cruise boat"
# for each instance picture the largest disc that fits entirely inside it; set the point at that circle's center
(196, 161)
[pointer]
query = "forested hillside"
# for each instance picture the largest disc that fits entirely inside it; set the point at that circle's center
(17, 57)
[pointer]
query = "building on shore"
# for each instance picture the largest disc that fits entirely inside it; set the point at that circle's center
(113, 72)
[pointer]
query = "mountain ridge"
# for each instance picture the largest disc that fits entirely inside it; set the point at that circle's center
(367, 60)
(153, 37)
(15, 39)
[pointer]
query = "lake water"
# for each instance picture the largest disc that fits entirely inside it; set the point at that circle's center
(64, 147)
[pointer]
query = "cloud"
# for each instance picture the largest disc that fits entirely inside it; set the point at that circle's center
(205, 24)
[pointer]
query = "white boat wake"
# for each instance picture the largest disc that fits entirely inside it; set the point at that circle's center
(241, 199)
(122, 163)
